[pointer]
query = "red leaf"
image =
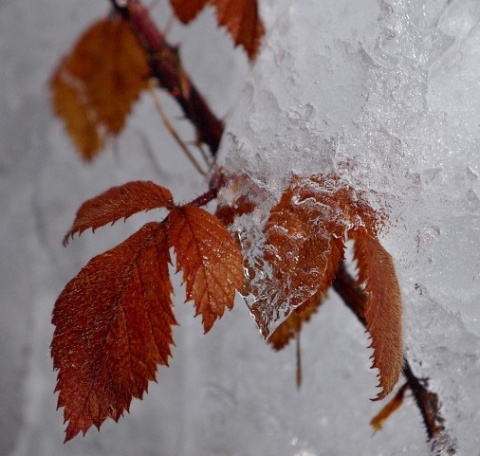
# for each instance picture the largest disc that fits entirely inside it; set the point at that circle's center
(209, 258)
(95, 86)
(119, 202)
(240, 17)
(113, 326)
(383, 312)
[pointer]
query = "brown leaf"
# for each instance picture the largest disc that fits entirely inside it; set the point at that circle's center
(235, 199)
(241, 206)
(379, 419)
(95, 86)
(240, 17)
(304, 247)
(187, 10)
(119, 202)
(112, 328)
(383, 312)
(209, 258)
(292, 326)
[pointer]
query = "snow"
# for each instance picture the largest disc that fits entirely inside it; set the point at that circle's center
(385, 93)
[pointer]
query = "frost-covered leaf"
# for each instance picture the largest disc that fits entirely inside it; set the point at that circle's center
(240, 17)
(94, 87)
(119, 202)
(236, 199)
(383, 312)
(292, 326)
(209, 258)
(304, 246)
(304, 241)
(227, 213)
(112, 328)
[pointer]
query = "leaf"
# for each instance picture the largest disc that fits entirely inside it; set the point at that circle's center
(94, 87)
(240, 17)
(241, 206)
(187, 10)
(119, 202)
(304, 247)
(209, 258)
(236, 198)
(379, 419)
(112, 327)
(383, 312)
(292, 326)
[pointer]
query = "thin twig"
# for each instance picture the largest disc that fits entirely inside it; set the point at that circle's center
(170, 128)
(168, 26)
(206, 157)
(299, 361)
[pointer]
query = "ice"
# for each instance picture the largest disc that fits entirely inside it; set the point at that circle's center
(383, 93)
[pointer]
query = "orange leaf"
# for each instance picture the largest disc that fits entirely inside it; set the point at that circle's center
(113, 326)
(304, 246)
(242, 206)
(94, 87)
(293, 324)
(209, 258)
(119, 202)
(379, 419)
(187, 10)
(236, 198)
(240, 17)
(383, 312)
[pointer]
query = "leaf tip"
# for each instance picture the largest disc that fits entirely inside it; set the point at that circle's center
(379, 419)
(71, 432)
(66, 239)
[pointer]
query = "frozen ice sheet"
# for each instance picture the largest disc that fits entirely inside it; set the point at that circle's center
(386, 95)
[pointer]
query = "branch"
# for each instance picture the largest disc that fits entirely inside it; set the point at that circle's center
(426, 400)
(167, 68)
(217, 182)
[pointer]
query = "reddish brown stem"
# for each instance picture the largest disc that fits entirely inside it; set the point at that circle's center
(216, 184)
(427, 401)
(167, 68)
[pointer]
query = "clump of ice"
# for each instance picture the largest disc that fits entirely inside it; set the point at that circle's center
(385, 94)
(301, 103)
